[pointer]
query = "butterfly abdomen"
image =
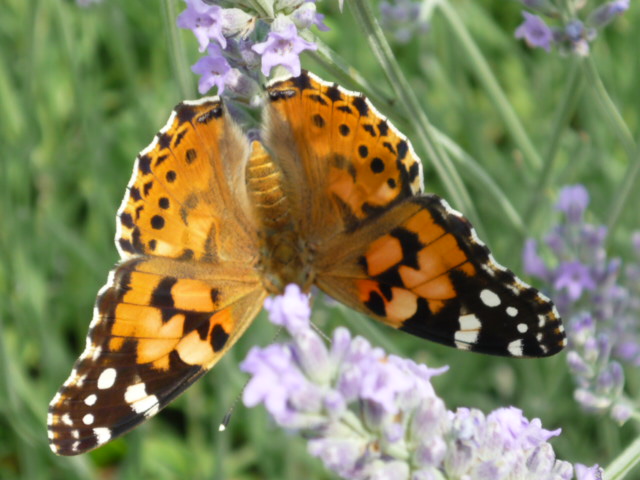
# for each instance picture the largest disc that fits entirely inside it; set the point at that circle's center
(283, 257)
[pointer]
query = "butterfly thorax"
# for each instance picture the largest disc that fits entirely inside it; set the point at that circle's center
(284, 256)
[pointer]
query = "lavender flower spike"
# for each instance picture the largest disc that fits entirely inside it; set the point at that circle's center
(283, 48)
(535, 32)
(205, 21)
(369, 415)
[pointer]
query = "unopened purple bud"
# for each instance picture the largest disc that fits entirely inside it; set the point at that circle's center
(573, 200)
(588, 473)
(533, 263)
(535, 32)
(590, 401)
(604, 14)
(574, 31)
(578, 365)
(621, 412)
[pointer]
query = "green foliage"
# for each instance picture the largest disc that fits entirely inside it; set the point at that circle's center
(83, 90)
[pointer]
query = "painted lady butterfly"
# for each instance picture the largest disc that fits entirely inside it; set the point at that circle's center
(211, 224)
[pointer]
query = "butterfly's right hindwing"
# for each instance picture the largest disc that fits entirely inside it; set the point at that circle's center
(158, 326)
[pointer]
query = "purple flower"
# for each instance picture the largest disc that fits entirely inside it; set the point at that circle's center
(369, 415)
(214, 68)
(533, 263)
(205, 21)
(573, 277)
(290, 310)
(572, 201)
(283, 48)
(306, 16)
(535, 32)
(604, 14)
(588, 473)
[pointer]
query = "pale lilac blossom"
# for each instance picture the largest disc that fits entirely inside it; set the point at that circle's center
(535, 31)
(369, 415)
(205, 21)
(283, 48)
(598, 300)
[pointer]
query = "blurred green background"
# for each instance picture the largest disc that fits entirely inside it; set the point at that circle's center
(82, 90)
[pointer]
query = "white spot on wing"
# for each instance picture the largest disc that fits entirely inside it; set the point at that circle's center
(91, 399)
(139, 401)
(489, 298)
(512, 311)
(469, 330)
(515, 348)
(107, 378)
(523, 327)
(103, 435)
(87, 419)
(66, 419)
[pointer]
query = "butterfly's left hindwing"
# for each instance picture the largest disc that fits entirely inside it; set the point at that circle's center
(158, 325)
(428, 274)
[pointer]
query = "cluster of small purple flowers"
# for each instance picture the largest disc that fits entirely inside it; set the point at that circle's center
(598, 298)
(231, 38)
(369, 415)
(403, 19)
(570, 34)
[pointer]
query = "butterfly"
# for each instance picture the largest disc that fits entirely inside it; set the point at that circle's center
(212, 223)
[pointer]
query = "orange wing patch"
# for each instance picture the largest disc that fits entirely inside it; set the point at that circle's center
(178, 201)
(151, 337)
(430, 275)
(348, 148)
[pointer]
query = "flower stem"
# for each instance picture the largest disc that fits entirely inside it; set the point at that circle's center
(615, 120)
(492, 87)
(176, 48)
(570, 96)
(624, 462)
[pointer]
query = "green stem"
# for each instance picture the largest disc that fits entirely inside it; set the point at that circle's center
(623, 464)
(608, 108)
(492, 87)
(629, 181)
(615, 120)
(570, 96)
(176, 48)
(408, 100)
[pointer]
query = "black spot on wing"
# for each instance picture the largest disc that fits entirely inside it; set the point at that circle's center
(126, 220)
(411, 246)
(375, 304)
(164, 140)
(360, 104)
(161, 296)
(219, 337)
(318, 121)
(179, 138)
(191, 155)
(134, 193)
(318, 99)
(333, 93)
(144, 164)
(157, 222)
(185, 113)
(383, 128)
(369, 129)
(345, 108)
